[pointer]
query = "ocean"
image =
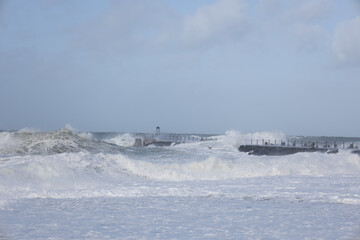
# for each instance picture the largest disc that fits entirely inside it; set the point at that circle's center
(67, 184)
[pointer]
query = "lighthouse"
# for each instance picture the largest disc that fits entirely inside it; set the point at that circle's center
(157, 132)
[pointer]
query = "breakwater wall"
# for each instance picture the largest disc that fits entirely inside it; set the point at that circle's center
(168, 139)
(279, 148)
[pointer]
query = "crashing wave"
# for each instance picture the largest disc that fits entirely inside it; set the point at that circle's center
(62, 141)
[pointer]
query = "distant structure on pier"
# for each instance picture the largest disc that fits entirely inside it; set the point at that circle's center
(157, 133)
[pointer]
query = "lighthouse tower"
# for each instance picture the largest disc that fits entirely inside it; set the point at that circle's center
(157, 132)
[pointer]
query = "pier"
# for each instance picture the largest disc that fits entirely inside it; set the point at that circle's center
(280, 148)
(167, 139)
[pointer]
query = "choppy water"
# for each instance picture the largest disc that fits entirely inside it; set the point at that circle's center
(65, 184)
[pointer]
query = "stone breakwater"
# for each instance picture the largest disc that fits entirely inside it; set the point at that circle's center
(270, 150)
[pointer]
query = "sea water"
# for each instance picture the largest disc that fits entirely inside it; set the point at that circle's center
(71, 185)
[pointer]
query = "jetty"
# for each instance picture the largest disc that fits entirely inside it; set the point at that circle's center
(356, 152)
(167, 139)
(280, 148)
(268, 148)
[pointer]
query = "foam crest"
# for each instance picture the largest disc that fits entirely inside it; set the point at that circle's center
(69, 171)
(94, 175)
(28, 130)
(64, 140)
(236, 138)
(215, 168)
(123, 140)
(7, 141)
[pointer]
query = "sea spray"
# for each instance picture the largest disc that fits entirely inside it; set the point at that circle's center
(70, 184)
(236, 138)
(124, 140)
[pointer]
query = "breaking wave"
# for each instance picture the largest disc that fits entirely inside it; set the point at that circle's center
(66, 140)
(215, 168)
(124, 140)
(236, 138)
(65, 163)
(111, 167)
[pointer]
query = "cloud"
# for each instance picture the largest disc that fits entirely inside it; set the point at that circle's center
(224, 20)
(289, 12)
(143, 26)
(357, 4)
(1, 11)
(299, 23)
(346, 44)
(127, 27)
(269, 7)
(309, 37)
(310, 10)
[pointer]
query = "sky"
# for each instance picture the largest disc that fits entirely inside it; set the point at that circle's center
(204, 66)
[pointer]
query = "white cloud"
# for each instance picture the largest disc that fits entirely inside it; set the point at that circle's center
(296, 22)
(310, 37)
(128, 26)
(222, 21)
(310, 10)
(289, 12)
(269, 7)
(347, 41)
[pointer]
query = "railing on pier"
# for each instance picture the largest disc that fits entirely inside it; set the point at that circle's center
(300, 143)
(170, 137)
(183, 138)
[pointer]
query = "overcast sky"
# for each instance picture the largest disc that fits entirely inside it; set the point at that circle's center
(187, 66)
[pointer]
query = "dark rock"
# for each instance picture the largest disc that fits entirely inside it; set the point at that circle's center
(356, 152)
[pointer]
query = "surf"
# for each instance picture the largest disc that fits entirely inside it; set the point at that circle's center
(65, 140)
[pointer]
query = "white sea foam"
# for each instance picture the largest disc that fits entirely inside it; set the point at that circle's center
(7, 140)
(86, 135)
(79, 175)
(124, 140)
(28, 130)
(63, 140)
(215, 168)
(82, 173)
(202, 163)
(236, 138)
(230, 194)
